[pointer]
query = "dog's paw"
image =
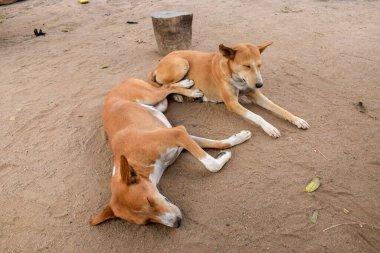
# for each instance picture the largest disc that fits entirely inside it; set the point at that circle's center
(224, 157)
(301, 123)
(244, 135)
(187, 83)
(271, 130)
(240, 137)
(196, 93)
(178, 98)
(216, 164)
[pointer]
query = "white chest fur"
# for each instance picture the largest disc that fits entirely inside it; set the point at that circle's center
(166, 159)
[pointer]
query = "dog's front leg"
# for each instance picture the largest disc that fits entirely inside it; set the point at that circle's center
(261, 100)
(234, 106)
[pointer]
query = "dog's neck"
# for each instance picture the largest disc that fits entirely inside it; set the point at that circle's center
(221, 68)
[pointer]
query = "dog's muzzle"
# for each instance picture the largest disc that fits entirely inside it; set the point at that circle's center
(259, 85)
(177, 223)
(259, 79)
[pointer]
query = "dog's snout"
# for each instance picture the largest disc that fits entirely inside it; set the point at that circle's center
(177, 222)
(259, 85)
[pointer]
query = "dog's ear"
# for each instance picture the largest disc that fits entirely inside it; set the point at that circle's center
(263, 46)
(128, 174)
(104, 215)
(227, 52)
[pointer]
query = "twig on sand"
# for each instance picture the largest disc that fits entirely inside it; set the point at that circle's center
(350, 223)
(322, 154)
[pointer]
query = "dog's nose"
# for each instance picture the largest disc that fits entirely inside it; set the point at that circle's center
(177, 222)
(259, 85)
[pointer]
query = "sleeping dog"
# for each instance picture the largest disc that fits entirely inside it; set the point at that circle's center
(144, 144)
(224, 76)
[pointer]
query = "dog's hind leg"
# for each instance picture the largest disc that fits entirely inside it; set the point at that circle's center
(234, 140)
(165, 138)
(181, 88)
(193, 93)
(156, 96)
(187, 142)
(171, 70)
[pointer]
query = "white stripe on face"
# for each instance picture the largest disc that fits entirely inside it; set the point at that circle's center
(259, 78)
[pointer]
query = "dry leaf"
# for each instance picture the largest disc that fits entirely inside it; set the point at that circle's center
(314, 216)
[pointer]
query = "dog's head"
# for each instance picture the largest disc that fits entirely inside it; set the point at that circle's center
(245, 63)
(136, 199)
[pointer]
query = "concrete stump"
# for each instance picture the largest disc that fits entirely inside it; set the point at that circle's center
(3, 2)
(172, 30)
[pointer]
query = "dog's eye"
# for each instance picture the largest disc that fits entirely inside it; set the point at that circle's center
(247, 66)
(151, 203)
(259, 66)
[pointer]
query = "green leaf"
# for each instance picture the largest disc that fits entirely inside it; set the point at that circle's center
(313, 184)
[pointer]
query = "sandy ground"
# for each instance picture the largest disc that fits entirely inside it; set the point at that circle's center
(55, 164)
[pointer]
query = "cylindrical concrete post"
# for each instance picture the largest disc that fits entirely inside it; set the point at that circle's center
(172, 30)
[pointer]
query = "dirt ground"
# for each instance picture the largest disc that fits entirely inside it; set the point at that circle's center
(55, 163)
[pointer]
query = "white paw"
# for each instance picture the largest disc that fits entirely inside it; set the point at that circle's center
(240, 137)
(271, 130)
(301, 123)
(196, 93)
(216, 164)
(178, 98)
(224, 156)
(244, 135)
(187, 83)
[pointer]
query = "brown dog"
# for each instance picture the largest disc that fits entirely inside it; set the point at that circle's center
(144, 144)
(224, 76)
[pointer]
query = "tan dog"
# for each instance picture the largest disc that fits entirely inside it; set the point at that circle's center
(144, 144)
(223, 77)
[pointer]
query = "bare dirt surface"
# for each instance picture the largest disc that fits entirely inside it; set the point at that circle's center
(55, 163)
